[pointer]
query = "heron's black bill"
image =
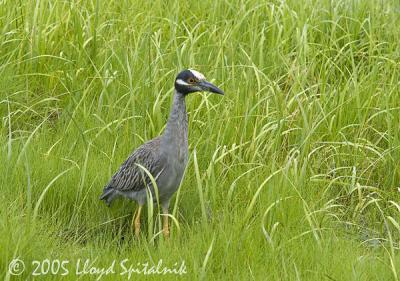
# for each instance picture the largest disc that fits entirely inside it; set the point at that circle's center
(209, 87)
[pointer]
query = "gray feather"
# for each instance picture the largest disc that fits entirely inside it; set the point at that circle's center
(165, 157)
(131, 177)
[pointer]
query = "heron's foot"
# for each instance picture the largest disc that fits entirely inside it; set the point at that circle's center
(136, 222)
(165, 229)
(137, 229)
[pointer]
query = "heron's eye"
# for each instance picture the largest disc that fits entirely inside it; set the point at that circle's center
(191, 80)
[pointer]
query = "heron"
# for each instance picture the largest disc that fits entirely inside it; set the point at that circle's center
(164, 157)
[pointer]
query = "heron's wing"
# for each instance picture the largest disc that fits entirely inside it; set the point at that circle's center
(132, 177)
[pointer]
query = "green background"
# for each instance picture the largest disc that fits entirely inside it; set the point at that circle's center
(293, 174)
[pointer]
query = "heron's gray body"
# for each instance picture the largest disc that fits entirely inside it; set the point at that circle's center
(165, 157)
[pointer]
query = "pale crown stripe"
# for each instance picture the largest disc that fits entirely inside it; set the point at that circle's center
(197, 74)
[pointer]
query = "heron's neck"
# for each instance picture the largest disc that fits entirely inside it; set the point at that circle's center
(177, 125)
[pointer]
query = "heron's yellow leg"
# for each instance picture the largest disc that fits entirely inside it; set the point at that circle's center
(136, 221)
(165, 223)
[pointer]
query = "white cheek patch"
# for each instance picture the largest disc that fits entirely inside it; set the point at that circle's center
(181, 82)
(197, 74)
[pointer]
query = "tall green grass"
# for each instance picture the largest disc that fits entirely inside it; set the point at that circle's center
(293, 174)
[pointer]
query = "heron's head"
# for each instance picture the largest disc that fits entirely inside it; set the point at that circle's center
(190, 81)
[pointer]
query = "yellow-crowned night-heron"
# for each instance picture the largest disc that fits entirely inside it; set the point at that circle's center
(165, 157)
